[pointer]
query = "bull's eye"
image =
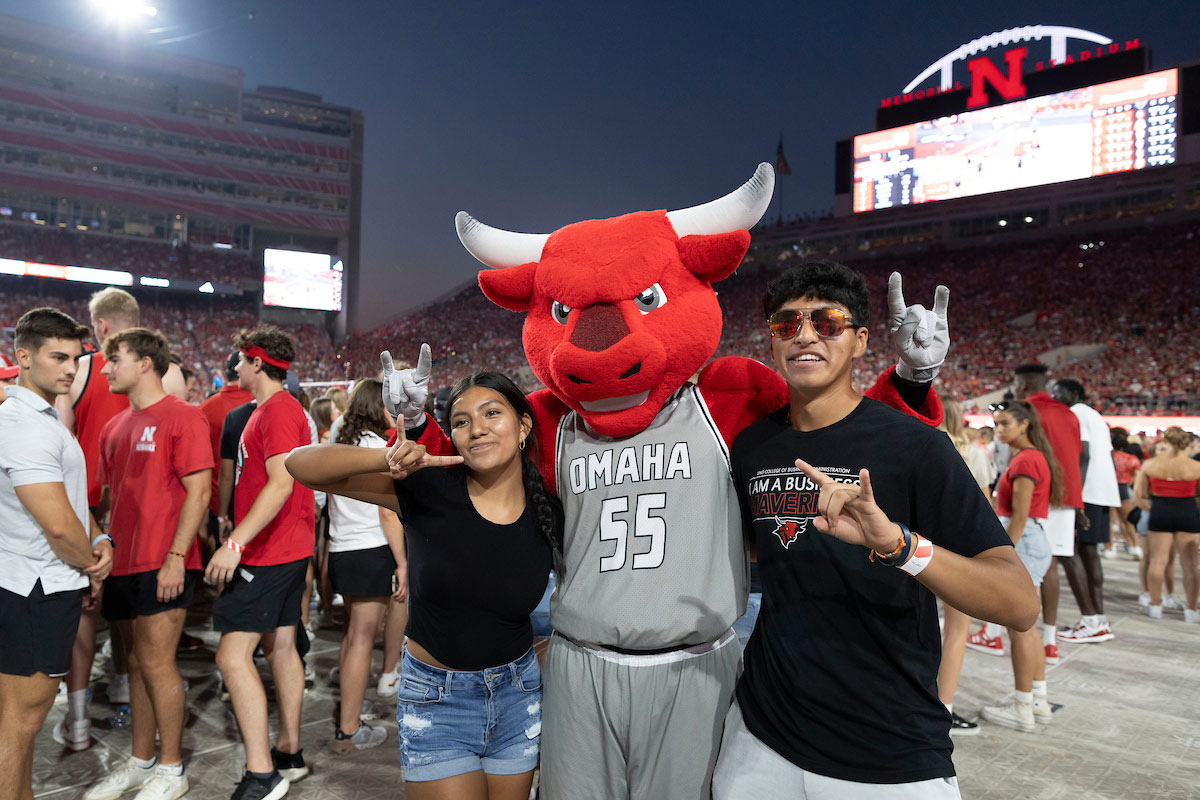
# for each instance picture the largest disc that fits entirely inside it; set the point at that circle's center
(560, 312)
(650, 299)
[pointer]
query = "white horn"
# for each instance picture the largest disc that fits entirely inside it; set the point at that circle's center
(497, 248)
(741, 209)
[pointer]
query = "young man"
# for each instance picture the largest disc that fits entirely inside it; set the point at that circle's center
(839, 695)
(261, 568)
(214, 410)
(50, 546)
(1062, 429)
(155, 468)
(1100, 495)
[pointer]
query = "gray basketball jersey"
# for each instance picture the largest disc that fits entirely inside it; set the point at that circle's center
(653, 543)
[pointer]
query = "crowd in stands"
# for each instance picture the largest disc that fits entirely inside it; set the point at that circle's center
(1124, 300)
(53, 245)
(1128, 295)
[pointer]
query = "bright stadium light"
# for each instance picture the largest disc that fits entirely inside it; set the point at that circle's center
(124, 12)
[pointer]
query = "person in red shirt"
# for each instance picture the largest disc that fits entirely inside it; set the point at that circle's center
(1061, 427)
(1024, 494)
(261, 567)
(155, 469)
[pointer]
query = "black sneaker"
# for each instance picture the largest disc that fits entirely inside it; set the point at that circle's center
(252, 788)
(961, 727)
(290, 765)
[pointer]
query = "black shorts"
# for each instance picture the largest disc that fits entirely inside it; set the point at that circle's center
(136, 595)
(261, 599)
(1124, 492)
(37, 632)
(1174, 515)
(362, 573)
(1097, 531)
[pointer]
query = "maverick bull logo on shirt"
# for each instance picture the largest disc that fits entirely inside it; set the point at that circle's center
(775, 493)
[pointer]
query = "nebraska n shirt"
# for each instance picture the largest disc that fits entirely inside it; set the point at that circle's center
(841, 670)
(144, 454)
(277, 426)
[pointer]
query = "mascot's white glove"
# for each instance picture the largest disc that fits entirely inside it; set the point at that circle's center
(405, 390)
(922, 337)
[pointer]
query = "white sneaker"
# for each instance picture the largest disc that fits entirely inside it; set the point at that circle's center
(1041, 710)
(1136, 553)
(75, 736)
(1191, 616)
(368, 710)
(1170, 601)
(164, 785)
(364, 738)
(1110, 552)
(1011, 715)
(1144, 599)
(124, 777)
(61, 697)
(388, 686)
(1154, 612)
(118, 690)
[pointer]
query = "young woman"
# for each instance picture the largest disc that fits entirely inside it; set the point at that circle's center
(1024, 493)
(481, 530)
(1126, 465)
(367, 567)
(954, 633)
(1166, 487)
(322, 413)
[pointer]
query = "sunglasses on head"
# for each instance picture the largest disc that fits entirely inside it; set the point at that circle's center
(1001, 406)
(827, 322)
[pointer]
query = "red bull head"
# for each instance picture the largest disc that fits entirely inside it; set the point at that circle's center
(621, 311)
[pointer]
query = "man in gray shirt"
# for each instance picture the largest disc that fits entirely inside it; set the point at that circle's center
(50, 547)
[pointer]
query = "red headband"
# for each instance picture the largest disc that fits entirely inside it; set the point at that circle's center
(254, 351)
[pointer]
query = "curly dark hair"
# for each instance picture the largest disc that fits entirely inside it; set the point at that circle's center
(365, 412)
(821, 280)
(274, 342)
(546, 506)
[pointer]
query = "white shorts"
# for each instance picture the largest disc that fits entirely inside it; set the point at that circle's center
(747, 768)
(1060, 530)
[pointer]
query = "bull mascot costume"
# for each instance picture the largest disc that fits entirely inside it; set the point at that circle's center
(620, 315)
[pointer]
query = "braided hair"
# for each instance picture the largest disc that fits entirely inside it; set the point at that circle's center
(546, 506)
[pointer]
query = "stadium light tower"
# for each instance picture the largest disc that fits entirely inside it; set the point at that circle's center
(124, 12)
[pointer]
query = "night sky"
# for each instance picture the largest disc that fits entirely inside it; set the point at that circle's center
(532, 115)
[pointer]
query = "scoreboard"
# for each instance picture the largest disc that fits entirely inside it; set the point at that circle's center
(1122, 125)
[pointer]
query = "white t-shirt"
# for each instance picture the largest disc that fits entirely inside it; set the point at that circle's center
(1100, 482)
(353, 524)
(36, 448)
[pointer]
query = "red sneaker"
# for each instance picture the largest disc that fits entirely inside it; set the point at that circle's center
(979, 640)
(1052, 653)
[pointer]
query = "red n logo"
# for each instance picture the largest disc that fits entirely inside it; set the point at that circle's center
(982, 69)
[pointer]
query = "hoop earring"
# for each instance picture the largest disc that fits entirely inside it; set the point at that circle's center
(521, 444)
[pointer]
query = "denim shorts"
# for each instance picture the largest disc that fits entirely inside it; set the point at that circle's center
(452, 722)
(1033, 548)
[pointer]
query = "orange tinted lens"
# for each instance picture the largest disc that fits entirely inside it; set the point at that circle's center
(784, 324)
(828, 321)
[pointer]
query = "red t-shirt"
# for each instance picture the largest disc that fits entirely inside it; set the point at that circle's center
(1062, 429)
(214, 410)
(94, 408)
(1126, 464)
(277, 426)
(143, 455)
(1029, 463)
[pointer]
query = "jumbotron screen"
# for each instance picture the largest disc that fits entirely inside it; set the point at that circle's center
(302, 280)
(1110, 127)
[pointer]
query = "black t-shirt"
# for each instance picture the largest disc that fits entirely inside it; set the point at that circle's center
(841, 670)
(472, 583)
(231, 433)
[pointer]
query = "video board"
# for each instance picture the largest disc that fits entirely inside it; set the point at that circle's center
(294, 279)
(1118, 126)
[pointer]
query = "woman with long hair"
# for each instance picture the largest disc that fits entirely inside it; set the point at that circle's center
(321, 411)
(957, 624)
(1166, 487)
(482, 533)
(1029, 486)
(367, 567)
